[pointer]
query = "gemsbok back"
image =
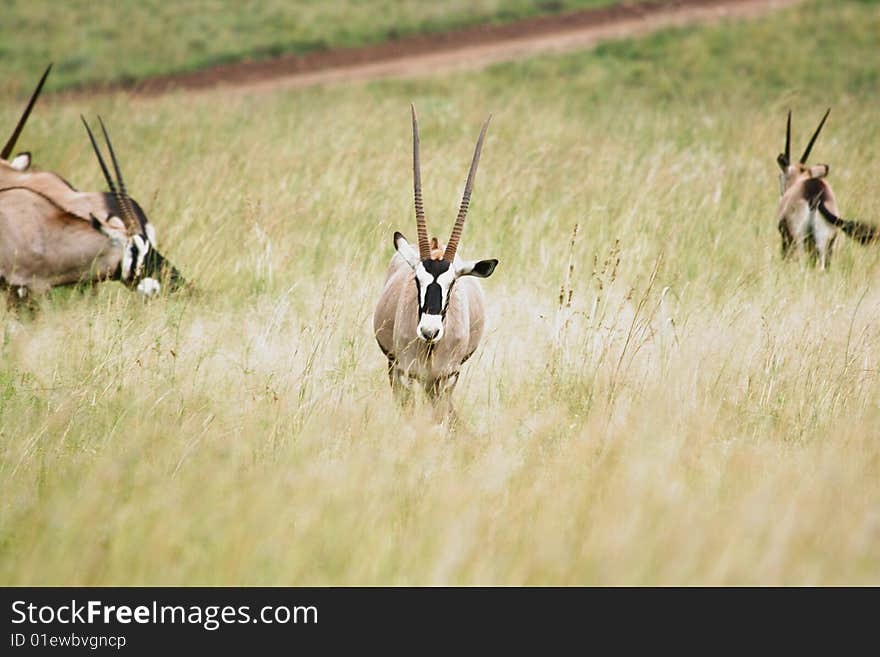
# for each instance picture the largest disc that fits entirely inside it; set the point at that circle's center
(53, 235)
(807, 218)
(430, 316)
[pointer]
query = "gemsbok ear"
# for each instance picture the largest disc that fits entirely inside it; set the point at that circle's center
(480, 269)
(21, 162)
(782, 161)
(113, 228)
(405, 250)
(819, 170)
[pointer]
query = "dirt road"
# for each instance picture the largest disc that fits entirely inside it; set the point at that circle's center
(463, 49)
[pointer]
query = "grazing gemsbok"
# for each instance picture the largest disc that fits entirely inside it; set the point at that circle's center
(807, 218)
(430, 317)
(53, 235)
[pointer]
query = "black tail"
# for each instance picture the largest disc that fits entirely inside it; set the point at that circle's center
(860, 232)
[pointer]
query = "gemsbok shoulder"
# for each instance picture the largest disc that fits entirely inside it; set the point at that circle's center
(807, 217)
(53, 235)
(430, 316)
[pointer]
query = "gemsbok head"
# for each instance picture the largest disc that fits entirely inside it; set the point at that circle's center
(53, 235)
(807, 217)
(430, 316)
(124, 223)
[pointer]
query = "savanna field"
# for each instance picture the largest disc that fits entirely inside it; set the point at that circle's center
(658, 398)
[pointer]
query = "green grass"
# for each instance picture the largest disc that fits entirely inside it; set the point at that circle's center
(101, 40)
(713, 422)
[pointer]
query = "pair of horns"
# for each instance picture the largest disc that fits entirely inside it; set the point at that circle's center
(130, 218)
(421, 225)
(806, 154)
(7, 149)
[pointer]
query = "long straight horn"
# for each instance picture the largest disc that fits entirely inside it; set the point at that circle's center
(421, 226)
(806, 154)
(107, 177)
(452, 245)
(122, 196)
(24, 117)
(788, 139)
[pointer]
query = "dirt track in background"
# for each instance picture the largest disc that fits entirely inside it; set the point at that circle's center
(469, 48)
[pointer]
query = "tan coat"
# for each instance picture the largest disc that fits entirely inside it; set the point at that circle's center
(42, 245)
(397, 316)
(803, 228)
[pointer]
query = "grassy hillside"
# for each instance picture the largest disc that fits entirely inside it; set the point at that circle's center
(101, 40)
(701, 413)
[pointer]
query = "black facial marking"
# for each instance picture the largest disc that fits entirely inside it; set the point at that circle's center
(156, 266)
(433, 294)
(134, 253)
(433, 299)
(435, 267)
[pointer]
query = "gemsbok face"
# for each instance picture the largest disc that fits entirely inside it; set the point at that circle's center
(430, 316)
(53, 235)
(808, 219)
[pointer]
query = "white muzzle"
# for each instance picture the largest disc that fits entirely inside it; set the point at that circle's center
(430, 328)
(148, 287)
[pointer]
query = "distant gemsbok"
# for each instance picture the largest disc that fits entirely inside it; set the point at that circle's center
(53, 235)
(430, 316)
(808, 218)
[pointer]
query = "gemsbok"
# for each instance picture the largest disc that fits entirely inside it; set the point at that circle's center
(53, 235)
(808, 219)
(430, 316)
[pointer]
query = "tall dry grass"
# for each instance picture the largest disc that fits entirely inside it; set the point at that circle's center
(658, 398)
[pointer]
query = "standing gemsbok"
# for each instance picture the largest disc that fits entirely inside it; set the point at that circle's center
(807, 217)
(53, 235)
(430, 317)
